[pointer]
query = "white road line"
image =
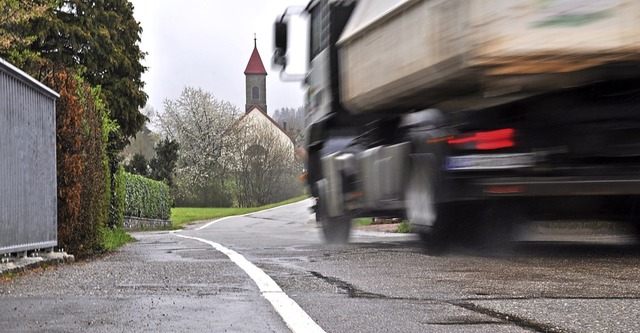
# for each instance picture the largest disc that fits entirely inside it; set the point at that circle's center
(216, 221)
(260, 211)
(296, 319)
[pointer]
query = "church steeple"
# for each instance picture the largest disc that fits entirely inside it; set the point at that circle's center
(256, 77)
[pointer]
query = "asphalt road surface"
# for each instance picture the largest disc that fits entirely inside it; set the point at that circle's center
(270, 272)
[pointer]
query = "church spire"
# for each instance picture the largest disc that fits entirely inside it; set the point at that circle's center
(255, 78)
(255, 65)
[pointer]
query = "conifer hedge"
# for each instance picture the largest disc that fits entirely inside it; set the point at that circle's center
(146, 198)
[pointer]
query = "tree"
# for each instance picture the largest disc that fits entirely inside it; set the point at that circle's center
(13, 15)
(163, 165)
(199, 122)
(16, 35)
(99, 39)
(292, 120)
(138, 165)
(264, 165)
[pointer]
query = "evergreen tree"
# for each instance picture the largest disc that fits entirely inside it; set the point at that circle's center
(138, 165)
(100, 40)
(13, 15)
(164, 163)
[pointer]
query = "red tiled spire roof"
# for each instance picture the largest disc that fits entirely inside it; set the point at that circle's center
(255, 65)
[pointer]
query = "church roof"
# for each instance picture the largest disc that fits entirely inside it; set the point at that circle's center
(255, 65)
(258, 109)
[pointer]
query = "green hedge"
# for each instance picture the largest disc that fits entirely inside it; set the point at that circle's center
(146, 198)
(116, 212)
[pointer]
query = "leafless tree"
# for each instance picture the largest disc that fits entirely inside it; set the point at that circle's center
(264, 164)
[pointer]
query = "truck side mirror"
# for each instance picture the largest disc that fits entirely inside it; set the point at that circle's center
(281, 35)
(280, 52)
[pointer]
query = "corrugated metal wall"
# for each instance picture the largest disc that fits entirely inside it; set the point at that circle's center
(28, 211)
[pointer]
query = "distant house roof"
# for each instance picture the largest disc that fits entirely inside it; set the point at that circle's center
(255, 65)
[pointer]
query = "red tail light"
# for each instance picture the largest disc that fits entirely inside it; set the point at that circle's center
(490, 140)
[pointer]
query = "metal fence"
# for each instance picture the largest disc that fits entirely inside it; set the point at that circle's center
(28, 211)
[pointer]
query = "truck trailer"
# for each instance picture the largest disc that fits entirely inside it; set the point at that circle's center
(467, 116)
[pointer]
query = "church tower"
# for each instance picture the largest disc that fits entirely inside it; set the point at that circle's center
(256, 81)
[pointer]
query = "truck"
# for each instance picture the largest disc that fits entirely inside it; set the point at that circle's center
(466, 117)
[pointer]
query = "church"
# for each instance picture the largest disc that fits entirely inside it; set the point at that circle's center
(256, 98)
(262, 157)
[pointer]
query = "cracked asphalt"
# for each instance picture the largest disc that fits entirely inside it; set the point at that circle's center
(379, 283)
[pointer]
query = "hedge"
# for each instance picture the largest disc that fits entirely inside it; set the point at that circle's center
(146, 198)
(116, 211)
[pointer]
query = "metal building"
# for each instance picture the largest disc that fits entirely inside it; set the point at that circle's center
(28, 198)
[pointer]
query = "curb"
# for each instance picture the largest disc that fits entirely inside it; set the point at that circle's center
(20, 264)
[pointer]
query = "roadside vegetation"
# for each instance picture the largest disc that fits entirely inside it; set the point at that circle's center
(404, 227)
(8, 276)
(362, 221)
(113, 238)
(183, 215)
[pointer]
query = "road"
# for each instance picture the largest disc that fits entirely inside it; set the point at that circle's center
(210, 277)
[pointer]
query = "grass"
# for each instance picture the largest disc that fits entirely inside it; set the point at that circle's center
(405, 228)
(8, 276)
(362, 221)
(115, 238)
(184, 215)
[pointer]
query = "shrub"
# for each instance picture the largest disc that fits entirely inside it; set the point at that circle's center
(147, 198)
(116, 212)
(82, 172)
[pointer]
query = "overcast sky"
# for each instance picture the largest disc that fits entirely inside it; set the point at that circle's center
(207, 44)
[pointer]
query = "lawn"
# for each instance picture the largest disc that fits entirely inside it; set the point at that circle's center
(183, 215)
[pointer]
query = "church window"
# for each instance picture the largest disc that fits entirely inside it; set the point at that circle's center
(255, 93)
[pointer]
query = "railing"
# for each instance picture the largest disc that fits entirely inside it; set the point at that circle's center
(28, 198)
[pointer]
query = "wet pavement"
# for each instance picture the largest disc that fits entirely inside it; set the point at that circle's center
(380, 283)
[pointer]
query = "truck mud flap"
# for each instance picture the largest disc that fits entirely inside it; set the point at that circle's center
(334, 166)
(383, 172)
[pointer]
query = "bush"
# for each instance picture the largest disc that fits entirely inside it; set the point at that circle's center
(211, 195)
(116, 212)
(147, 198)
(82, 171)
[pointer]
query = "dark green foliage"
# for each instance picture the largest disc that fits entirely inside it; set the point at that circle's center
(116, 213)
(147, 198)
(100, 40)
(138, 165)
(14, 14)
(164, 163)
(96, 178)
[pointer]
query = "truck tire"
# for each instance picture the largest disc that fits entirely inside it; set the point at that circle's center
(433, 221)
(337, 229)
(495, 229)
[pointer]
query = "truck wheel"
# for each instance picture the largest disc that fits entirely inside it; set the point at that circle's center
(432, 220)
(336, 229)
(495, 230)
